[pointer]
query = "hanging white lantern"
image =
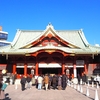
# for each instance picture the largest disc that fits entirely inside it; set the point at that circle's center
(4, 71)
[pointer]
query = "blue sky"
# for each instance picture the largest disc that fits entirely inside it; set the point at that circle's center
(63, 15)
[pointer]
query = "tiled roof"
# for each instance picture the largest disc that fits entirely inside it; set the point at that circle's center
(73, 37)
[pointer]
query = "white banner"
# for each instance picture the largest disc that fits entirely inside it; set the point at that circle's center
(79, 66)
(50, 65)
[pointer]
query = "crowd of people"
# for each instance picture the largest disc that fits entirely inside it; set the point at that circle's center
(45, 82)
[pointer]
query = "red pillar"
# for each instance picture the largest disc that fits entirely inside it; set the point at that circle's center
(63, 68)
(25, 69)
(36, 69)
(14, 68)
(85, 68)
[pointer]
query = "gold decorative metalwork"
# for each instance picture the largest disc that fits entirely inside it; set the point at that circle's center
(50, 51)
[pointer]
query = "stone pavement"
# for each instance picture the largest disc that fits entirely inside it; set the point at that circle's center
(71, 93)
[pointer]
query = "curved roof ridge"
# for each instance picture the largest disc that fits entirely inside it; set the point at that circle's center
(16, 37)
(83, 38)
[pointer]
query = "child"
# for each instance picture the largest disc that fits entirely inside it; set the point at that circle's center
(2, 94)
(4, 85)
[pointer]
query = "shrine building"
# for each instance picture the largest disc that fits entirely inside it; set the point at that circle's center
(49, 51)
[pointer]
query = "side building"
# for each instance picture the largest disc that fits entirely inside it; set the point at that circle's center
(3, 42)
(50, 51)
(3, 38)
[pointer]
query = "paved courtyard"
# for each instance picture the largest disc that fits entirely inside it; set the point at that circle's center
(71, 93)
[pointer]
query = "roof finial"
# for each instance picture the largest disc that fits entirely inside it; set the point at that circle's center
(49, 23)
(49, 26)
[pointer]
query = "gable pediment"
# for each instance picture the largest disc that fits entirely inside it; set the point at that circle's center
(50, 40)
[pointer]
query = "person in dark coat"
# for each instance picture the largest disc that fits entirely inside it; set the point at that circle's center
(84, 78)
(79, 78)
(23, 82)
(54, 80)
(64, 82)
